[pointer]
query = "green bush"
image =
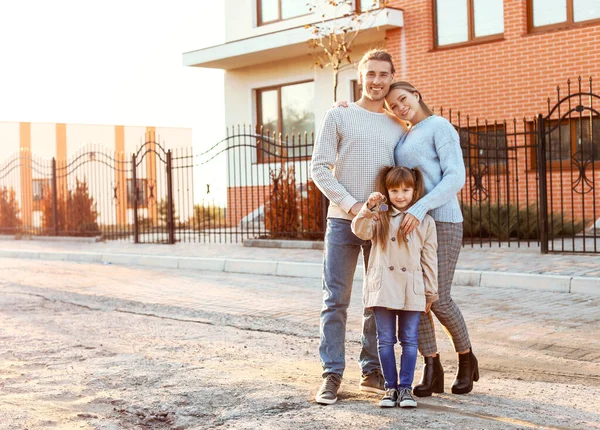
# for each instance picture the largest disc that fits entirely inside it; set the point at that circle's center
(208, 215)
(504, 222)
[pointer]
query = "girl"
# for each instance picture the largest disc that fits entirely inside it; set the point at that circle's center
(401, 280)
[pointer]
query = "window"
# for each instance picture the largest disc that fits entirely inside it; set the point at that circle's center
(576, 139)
(462, 21)
(142, 187)
(286, 109)
(40, 188)
(485, 148)
(277, 10)
(366, 5)
(356, 90)
(544, 14)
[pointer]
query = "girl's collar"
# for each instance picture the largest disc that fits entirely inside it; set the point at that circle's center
(420, 122)
(395, 212)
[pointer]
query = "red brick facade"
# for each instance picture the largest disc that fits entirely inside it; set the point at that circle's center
(511, 77)
(503, 79)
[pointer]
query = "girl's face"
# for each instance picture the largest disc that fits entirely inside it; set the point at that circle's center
(404, 104)
(401, 196)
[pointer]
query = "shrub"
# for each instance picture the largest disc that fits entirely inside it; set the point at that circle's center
(9, 211)
(291, 213)
(76, 213)
(208, 215)
(504, 222)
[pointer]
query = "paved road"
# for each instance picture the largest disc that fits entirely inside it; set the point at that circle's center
(539, 351)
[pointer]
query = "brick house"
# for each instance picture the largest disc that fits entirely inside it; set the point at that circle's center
(494, 60)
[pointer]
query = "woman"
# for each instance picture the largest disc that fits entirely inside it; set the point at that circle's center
(432, 144)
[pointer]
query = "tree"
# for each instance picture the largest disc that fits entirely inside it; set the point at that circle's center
(332, 38)
(76, 213)
(9, 210)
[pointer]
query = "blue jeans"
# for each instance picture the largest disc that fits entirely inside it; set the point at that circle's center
(408, 332)
(342, 248)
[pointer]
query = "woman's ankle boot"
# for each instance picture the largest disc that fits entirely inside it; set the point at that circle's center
(432, 380)
(468, 371)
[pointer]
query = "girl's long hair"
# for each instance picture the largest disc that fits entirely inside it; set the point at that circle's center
(395, 177)
(403, 85)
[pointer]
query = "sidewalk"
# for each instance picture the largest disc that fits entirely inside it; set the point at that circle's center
(509, 267)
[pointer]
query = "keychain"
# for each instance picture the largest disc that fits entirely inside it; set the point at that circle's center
(381, 206)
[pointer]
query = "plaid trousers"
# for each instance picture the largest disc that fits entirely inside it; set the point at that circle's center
(447, 312)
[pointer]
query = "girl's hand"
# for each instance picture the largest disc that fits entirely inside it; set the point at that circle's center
(342, 103)
(427, 307)
(374, 199)
(409, 223)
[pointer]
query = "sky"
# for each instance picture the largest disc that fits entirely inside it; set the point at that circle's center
(111, 62)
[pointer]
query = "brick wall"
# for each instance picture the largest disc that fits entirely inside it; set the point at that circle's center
(502, 79)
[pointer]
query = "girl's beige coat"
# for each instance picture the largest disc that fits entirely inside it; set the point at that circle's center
(404, 275)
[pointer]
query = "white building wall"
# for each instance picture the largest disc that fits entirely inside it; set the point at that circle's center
(9, 139)
(240, 93)
(241, 19)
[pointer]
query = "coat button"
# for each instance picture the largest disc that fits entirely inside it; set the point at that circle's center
(404, 269)
(393, 239)
(391, 267)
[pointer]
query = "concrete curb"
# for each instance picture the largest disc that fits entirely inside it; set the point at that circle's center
(472, 278)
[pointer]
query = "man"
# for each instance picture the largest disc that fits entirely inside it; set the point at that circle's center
(351, 146)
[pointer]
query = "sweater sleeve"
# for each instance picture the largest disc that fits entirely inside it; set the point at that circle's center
(323, 162)
(362, 226)
(429, 263)
(447, 146)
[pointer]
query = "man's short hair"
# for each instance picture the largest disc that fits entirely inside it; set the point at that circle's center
(375, 54)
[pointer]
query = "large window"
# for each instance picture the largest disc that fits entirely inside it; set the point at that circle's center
(277, 10)
(544, 14)
(485, 148)
(464, 21)
(142, 190)
(576, 139)
(366, 5)
(287, 110)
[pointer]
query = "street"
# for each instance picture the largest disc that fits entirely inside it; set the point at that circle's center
(114, 347)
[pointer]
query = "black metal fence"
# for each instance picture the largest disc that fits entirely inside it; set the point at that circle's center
(530, 181)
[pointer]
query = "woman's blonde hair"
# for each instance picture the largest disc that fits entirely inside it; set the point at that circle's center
(403, 85)
(394, 177)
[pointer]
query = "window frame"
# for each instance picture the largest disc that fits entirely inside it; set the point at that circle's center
(260, 22)
(260, 155)
(496, 165)
(569, 23)
(143, 204)
(358, 5)
(472, 39)
(566, 164)
(44, 186)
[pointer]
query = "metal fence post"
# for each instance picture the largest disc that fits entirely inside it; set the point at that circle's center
(170, 208)
(541, 167)
(136, 231)
(54, 198)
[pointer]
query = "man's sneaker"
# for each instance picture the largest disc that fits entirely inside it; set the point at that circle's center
(372, 382)
(390, 398)
(407, 400)
(327, 394)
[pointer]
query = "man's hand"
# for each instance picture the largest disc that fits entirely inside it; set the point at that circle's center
(409, 223)
(355, 209)
(427, 307)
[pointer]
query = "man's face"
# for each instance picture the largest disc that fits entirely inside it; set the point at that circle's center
(376, 78)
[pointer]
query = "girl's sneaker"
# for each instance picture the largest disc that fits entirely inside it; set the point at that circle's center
(407, 400)
(390, 398)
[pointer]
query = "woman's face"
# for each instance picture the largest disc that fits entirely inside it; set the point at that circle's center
(404, 104)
